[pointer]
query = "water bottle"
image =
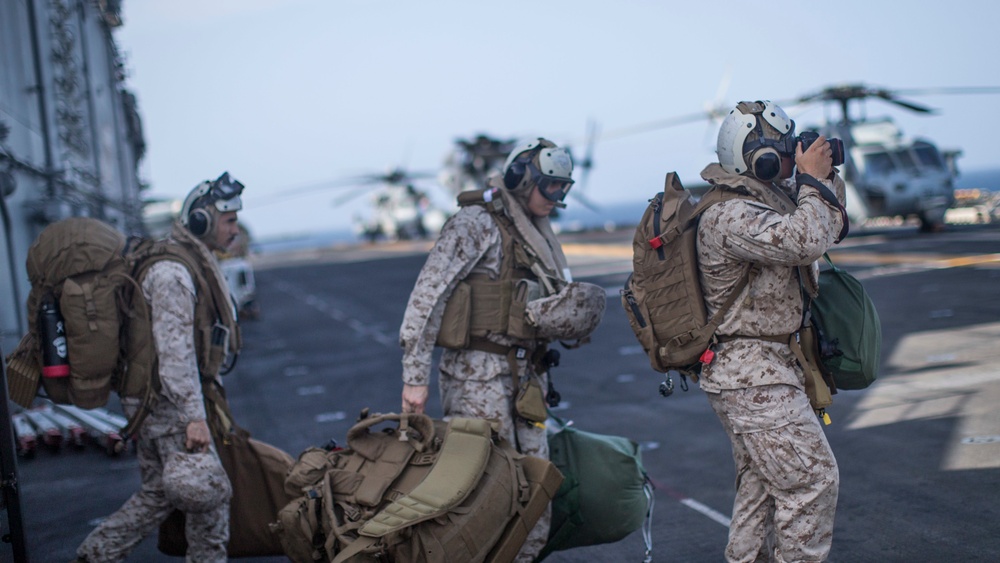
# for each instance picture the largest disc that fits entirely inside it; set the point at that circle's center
(52, 329)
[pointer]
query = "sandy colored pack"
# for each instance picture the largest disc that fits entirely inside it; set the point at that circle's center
(89, 327)
(415, 490)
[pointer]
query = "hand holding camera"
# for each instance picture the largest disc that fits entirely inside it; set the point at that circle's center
(815, 156)
(807, 138)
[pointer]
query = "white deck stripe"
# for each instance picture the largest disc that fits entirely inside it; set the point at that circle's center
(699, 507)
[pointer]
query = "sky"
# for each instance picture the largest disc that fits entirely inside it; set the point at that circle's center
(286, 94)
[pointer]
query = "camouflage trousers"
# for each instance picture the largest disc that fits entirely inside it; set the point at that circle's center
(493, 398)
(786, 476)
(207, 533)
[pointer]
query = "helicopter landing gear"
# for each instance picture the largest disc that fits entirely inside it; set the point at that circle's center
(931, 223)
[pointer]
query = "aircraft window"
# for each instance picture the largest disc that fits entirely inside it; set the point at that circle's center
(878, 164)
(906, 159)
(928, 156)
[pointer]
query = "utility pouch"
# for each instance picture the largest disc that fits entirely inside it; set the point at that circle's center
(525, 290)
(454, 331)
(530, 402)
(806, 348)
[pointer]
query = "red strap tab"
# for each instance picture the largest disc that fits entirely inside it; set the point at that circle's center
(655, 242)
(707, 356)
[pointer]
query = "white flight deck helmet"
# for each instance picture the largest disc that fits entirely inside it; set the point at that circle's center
(538, 161)
(197, 215)
(753, 137)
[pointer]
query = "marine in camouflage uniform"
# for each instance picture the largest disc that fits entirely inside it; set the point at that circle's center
(787, 477)
(177, 422)
(473, 382)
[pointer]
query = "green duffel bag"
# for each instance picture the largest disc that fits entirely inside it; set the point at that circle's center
(850, 332)
(605, 495)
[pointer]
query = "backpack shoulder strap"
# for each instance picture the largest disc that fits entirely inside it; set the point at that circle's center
(715, 195)
(718, 194)
(459, 466)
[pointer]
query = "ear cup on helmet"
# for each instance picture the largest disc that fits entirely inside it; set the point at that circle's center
(765, 164)
(514, 174)
(199, 222)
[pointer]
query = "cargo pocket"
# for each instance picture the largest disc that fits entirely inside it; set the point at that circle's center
(788, 455)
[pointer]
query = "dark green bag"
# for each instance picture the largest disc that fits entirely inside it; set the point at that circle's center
(605, 495)
(849, 329)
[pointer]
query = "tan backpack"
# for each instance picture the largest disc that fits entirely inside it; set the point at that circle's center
(84, 266)
(429, 491)
(663, 298)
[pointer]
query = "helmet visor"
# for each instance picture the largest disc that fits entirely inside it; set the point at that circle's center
(225, 192)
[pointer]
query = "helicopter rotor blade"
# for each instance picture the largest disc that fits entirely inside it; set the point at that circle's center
(889, 97)
(653, 125)
(845, 93)
(337, 202)
(958, 90)
(320, 186)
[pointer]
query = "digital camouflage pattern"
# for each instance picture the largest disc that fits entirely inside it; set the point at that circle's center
(469, 243)
(473, 383)
(170, 290)
(787, 477)
(118, 534)
(737, 232)
(571, 314)
(195, 482)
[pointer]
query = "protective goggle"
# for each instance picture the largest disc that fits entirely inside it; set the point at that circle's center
(552, 188)
(225, 192)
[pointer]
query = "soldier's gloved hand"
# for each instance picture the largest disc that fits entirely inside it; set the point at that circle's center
(414, 398)
(198, 436)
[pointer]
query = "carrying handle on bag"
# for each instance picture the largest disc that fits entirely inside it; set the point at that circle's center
(420, 427)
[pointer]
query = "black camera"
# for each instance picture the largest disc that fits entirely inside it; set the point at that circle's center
(836, 145)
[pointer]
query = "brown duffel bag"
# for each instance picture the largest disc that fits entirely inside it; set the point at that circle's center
(257, 473)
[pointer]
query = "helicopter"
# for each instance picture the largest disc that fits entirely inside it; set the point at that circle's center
(467, 165)
(401, 210)
(886, 173)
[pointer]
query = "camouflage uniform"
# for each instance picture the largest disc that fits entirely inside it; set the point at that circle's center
(473, 383)
(171, 292)
(787, 478)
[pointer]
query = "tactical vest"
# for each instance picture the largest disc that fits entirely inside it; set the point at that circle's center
(480, 305)
(217, 333)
